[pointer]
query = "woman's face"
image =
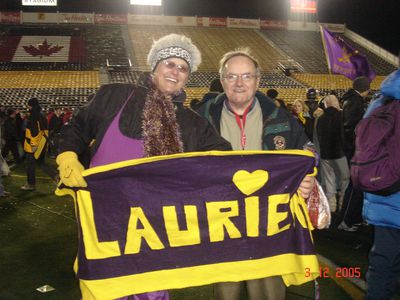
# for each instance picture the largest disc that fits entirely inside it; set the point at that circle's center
(171, 75)
(298, 107)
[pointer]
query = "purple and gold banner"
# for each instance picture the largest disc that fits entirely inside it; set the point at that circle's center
(344, 59)
(192, 219)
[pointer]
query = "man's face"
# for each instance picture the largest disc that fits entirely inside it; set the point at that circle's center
(240, 81)
(171, 75)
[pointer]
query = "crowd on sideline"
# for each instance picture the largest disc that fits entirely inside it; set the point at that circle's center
(20, 134)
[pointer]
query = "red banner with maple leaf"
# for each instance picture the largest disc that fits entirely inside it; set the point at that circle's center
(43, 49)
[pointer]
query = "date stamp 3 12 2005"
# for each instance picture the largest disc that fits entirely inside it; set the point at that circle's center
(338, 272)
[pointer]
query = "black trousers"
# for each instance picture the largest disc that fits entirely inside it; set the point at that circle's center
(31, 163)
(11, 146)
(384, 264)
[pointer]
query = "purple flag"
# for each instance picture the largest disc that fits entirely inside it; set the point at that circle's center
(192, 219)
(344, 59)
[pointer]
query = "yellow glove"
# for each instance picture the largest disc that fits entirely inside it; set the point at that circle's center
(70, 169)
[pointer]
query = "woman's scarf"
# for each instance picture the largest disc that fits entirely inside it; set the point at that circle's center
(301, 118)
(161, 132)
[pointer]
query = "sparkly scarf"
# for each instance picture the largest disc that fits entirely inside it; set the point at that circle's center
(161, 132)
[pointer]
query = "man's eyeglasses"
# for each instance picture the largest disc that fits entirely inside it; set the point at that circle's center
(171, 65)
(246, 77)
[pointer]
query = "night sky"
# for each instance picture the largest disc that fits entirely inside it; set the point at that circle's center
(376, 20)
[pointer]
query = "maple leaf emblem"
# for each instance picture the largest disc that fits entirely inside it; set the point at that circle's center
(43, 49)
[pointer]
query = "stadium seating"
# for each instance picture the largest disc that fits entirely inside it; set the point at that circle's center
(109, 47)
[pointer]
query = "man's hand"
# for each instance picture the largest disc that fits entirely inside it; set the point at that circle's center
(70, 169)
(306, 186)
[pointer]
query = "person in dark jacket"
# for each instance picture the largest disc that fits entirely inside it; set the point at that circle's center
(11, 135)
(36, 130)
(353, 111)
(249, 120)
(334, 168)
(311, 101)
(214, 90)
(55, 125)
(125, 121)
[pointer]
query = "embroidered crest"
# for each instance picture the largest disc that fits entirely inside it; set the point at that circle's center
(280, 142)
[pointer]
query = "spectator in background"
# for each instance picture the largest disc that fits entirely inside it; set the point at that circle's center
(67, 114)
(3, 193)
(383, 212)
(36, 130)
(311, 101)
(353, 111)
(129, 121)
(214, 90)
(247, 120)
(11, 136)
(273, 94)
(301, 113)
(55, 125)
(334, 168)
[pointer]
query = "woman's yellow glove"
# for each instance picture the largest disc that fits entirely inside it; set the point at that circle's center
(70, 169)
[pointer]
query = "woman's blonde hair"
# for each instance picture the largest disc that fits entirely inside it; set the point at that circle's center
(303, 105)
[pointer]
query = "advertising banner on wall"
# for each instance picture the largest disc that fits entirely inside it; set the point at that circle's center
(243, 23)
(111, 19)
(145, 20)
(75, 18)
(39, 2)
(217, 22)
(38, 17)
(273, 24)
(10, 17)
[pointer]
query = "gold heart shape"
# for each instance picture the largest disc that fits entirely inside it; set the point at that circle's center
(248, 183)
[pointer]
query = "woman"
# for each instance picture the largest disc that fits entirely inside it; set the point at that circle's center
(334, 167)
(124, 122)
(301, 112)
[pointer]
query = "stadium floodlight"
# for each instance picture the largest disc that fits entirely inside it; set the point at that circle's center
(39, 2)
(147, 2)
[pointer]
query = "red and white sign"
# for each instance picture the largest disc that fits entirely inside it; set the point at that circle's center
(111, 19)
(244, 23)
(272, 24)
(39, 2)
(76, 18)
(10, 17)
(217, 22)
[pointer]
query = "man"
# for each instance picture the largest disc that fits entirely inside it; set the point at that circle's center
(251, 121)
(353, 111)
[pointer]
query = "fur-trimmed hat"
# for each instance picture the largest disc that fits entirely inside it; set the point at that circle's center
(361, 84)
(174, 45)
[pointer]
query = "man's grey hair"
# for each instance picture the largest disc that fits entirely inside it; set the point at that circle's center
(238, 52)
